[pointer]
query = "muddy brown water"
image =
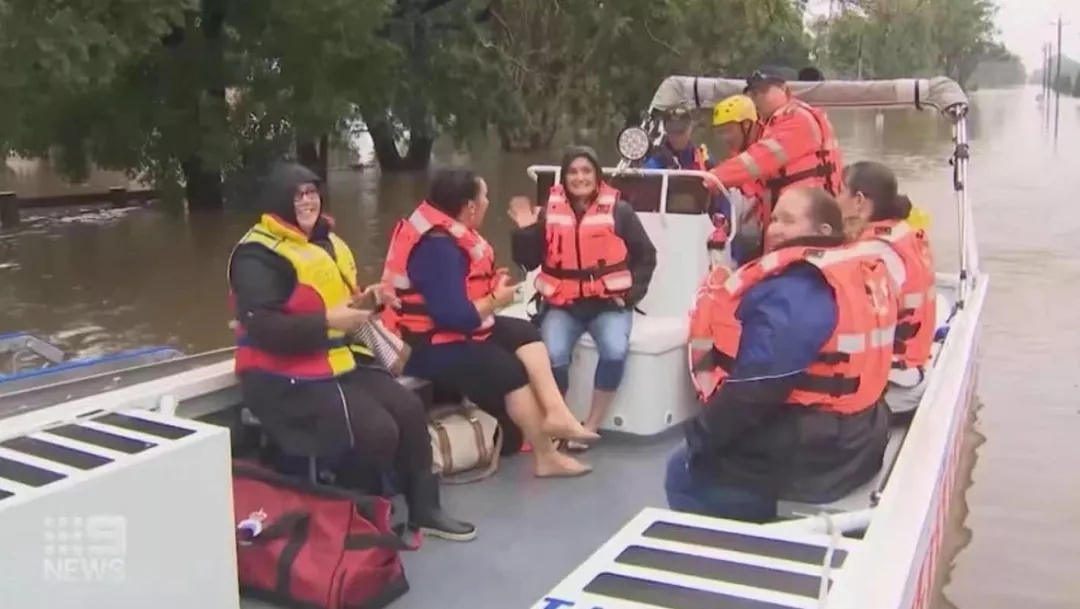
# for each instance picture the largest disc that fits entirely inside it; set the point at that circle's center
(101, 281)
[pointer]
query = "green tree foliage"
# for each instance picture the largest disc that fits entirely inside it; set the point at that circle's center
(546, 61)
(999, 68)
(296, 70)
(899, 38)
(63, 48)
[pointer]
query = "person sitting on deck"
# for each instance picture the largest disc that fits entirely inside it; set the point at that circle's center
(803, 342)
(444, 274)
(596, 262)
(677, 150)
(293, 288)
(796, 147)
(874, 209)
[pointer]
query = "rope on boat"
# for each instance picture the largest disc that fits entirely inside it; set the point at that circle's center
(835, 533)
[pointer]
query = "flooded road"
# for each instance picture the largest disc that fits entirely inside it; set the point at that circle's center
(102, 281)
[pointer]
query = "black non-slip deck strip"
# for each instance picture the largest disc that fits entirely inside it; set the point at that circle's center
(152, 428)
(721, 570)
(55, 452)
(27, 474)
(669, 596)
(737, 542)
(130, 446)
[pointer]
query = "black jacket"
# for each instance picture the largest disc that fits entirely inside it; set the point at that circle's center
(528, 247)
(305, 418)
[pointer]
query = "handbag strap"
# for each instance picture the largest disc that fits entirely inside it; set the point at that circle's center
(286, 526)
(477, 475)
(403, 538)
(444, 444)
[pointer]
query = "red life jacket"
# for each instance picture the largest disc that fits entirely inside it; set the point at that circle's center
(412, 321)
(584, 258)
(917, 322)
(323, 281)
(852, 370)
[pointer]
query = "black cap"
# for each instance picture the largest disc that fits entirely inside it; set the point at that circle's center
(765, 75)
(678, 121)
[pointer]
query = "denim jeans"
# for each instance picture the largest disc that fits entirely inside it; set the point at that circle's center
(610, 331)
(687, 494)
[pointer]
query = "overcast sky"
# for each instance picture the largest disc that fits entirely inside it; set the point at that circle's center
(1026, 25)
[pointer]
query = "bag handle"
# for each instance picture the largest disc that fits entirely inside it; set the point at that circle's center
(478, 475)
(288, 525)
(403, 538)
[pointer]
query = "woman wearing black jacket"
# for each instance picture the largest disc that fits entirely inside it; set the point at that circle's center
(294, 293)
(596, 262)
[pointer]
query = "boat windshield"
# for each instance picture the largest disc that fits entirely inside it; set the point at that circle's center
(686, 194)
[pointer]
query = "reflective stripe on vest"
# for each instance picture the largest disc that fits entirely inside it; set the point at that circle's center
(852, 370)
(822, 167)
(411, 321)
(918, 298)
(583, 258)
(711, 353)
(323, 281)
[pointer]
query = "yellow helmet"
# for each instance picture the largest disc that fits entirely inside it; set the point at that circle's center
(919, 218)
(735, 109)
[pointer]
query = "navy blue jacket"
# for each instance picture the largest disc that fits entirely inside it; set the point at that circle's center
(750, 437)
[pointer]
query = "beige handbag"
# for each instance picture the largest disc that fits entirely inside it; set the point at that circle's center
(465, 443)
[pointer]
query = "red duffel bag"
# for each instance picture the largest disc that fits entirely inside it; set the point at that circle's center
(314, 547)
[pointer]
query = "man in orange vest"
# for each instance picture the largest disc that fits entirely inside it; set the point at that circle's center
(875, 211)
(736, 119)
(801, 346)
(797, 146)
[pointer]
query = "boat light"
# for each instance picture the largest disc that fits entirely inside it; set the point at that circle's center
(633, 143)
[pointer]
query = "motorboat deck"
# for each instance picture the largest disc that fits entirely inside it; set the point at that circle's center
(876, 548)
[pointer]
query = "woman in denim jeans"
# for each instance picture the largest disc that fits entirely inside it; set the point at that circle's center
(577, 240)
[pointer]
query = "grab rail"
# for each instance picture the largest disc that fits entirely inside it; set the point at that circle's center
(534, 170)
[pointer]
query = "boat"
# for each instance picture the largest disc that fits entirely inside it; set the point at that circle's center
(602, 541)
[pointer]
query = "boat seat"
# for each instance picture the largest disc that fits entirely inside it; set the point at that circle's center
(861, 498)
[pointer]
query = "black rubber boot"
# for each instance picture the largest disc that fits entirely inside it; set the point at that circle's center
(426, 513)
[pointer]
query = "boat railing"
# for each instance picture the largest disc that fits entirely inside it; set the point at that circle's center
(670, 180)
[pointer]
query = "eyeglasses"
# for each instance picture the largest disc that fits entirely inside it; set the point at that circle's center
(306, 192)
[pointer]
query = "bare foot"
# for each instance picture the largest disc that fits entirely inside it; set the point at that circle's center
(558, 465)
(568, 430)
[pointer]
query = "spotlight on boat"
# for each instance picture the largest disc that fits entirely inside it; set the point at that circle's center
(633, 143)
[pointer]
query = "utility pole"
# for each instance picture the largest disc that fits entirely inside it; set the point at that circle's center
(1057, 72)
(1045, 70)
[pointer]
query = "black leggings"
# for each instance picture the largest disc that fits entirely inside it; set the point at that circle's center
(387, 421)
(489, 370)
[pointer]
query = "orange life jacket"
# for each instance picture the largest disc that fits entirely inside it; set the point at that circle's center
(324, 281)
(412, 321)
(768, 162)
(584, 258)
(852, 370)
(708, 366)
(917, 321)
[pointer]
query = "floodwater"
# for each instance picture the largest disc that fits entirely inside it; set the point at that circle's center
(100, 281)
